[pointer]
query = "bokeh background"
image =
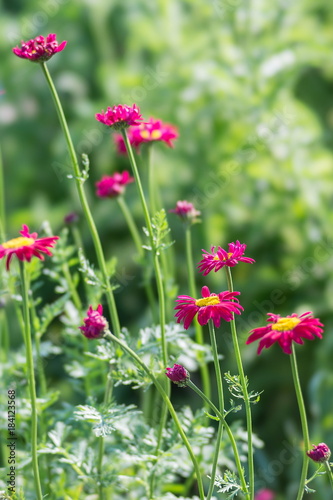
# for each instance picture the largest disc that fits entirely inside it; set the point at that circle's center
(250, 87)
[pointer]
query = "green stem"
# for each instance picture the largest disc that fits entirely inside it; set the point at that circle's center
(228, 431)
(31, 379)
(305, 431)
(159, 284)
(329, 472)
(243, 382)
(169, 405)
(157, 269)
(198, 329)
(71, 286)
(219, 384)
(84, 203)
(131, 225)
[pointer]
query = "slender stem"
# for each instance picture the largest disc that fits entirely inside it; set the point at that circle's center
(131, 225)
(243, 382)
(329, 472)
(198, 329)
(158, 274)
(228, 431)
(218, 373)
(168, 403)
(31, 379)
(305, 431)
(84, 204)
(219, 384)
(160, 289)
(71, 286)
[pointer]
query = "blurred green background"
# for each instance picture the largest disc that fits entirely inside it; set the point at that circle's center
(250, 87)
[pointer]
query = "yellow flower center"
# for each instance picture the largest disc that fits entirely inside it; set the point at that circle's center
(19, 242)
(207, 301)
(285, 324)
(224, 258)
(154, 135)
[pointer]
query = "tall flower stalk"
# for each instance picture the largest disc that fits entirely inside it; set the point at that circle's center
(31, 379)
(160, 292)
(169, 406)
(84, 203)
(304, 423)
(157, 269)
(204, 372)
(243, 382)
(219, 384)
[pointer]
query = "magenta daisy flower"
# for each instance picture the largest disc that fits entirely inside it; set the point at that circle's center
(319, 453)
(178, 374)
(120, 117)
(152, 131)
(39, 49)
(286, 330)
(111, 186)
(95, 325)
(210, 306)
(186, 212)
(27, 246)
(213, 261)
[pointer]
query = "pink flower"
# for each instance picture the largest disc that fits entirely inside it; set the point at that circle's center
(120, 117)
(216, 260)
(39, 49)
(264, 494)
(286, 330)
(178, 374)
(152, 131)
(27, 246)
(111, 186)
(186, 211)
(95, 325)
(211, 306)
(319, 453)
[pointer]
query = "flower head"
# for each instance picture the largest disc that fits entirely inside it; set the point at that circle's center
(265, 494)
(111, 186)
(319, 453)
(286, 330)
(178, 374)
(186, 212)
(120, 117)
(210, 306)
(152, 131)
(71, 218)
(215, 260)
(39, 49)
(95, 325)
(26, 246)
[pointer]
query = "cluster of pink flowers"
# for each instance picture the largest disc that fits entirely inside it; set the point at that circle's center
(26, 246)
(39, 49)
(111, 186)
